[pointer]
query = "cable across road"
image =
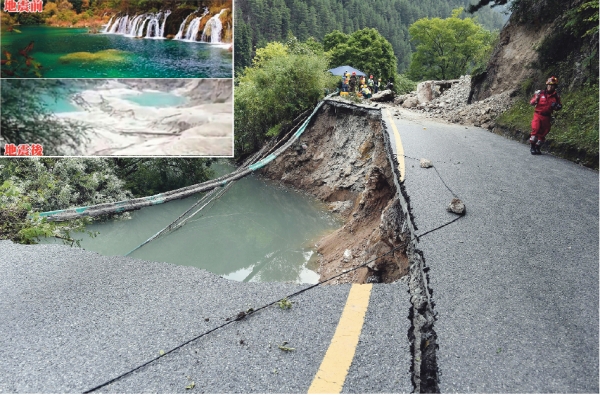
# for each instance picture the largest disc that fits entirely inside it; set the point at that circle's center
(216, 188)
(241, 315)
(244, 314)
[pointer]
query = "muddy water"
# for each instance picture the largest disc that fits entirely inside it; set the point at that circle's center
(256, 231)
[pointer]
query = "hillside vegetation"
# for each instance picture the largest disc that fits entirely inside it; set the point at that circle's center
(261, 21)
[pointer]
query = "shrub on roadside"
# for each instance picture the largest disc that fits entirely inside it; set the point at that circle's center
(279, 86)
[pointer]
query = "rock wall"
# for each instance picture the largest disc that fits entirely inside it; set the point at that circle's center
(341, 159)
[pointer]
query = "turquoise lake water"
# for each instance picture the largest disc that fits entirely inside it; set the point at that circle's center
(148, 99)
(59, 105)
(143, 58)
(157, 99)
(257, 231)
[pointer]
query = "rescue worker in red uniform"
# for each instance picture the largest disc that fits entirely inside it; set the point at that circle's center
(545, 102)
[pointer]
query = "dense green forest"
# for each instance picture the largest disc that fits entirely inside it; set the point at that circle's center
(261, 21)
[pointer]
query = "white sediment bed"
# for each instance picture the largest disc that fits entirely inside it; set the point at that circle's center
(121, 127)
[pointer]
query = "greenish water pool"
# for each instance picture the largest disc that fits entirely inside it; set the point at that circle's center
(257, 231)
(148, 99)
(136, 58)
(59, 105)
(156, 99)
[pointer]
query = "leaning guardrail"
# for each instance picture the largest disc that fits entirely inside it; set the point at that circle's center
(138, 203)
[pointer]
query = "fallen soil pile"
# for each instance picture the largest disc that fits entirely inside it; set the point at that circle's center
(341, 159)
(452, 106)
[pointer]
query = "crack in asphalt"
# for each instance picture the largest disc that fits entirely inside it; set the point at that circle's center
(421, 335)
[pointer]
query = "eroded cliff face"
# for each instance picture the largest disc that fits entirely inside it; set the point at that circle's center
(341, 159)
(511, 60)
(541, 38)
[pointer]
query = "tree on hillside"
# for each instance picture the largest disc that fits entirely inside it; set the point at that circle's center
(283, 82)
(334, 39)
(26, 119)
(366, 50)
(243, 44)
(447, 48)
(317, 18)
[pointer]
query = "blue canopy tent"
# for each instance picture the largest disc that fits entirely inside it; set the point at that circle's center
(340, 71)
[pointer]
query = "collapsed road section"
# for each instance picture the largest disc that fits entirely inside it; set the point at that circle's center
(345, 158)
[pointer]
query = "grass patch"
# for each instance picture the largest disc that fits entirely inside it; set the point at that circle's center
(575, 126)
(577, 123)
(518, 116)
(108, 55)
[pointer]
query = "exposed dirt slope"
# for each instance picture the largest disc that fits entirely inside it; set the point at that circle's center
(341, 159)
(510, 61)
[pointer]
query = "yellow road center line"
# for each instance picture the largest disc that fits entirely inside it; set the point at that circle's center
(336, 363)
(399, 147)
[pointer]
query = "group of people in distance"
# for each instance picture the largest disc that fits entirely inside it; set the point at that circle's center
(361, 86)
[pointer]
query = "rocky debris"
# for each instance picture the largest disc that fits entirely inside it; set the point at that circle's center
(398, 100)
(426, 163)
(347, 256)
(340, 206)
(451, 104)
(410, 102)
(456, 206)
(383, 96)
(425, 91)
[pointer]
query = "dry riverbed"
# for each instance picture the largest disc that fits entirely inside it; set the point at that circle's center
(202, 126)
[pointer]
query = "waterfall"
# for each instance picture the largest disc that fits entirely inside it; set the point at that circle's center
(192, 31)
(162, 29)
(155, 29)
(140, 30)
(115, 25)
(180, 32)
(134, 26)
(123, 25)
(108, 24)
(213, 29)
(152, 27)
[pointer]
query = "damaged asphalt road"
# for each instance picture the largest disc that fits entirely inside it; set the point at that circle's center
(515, 282)
(514, 288)
(73, 319)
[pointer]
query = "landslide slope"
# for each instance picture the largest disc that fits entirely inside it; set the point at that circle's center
(341, 159)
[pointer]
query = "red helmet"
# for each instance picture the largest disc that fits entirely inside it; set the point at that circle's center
(552, 81)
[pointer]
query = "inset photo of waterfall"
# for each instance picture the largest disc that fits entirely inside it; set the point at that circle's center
(119, 39)
(117, 117)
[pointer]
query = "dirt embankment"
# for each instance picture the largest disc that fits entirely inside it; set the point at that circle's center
(341, 159)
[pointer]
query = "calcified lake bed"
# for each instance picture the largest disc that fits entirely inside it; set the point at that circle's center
(152, 117)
